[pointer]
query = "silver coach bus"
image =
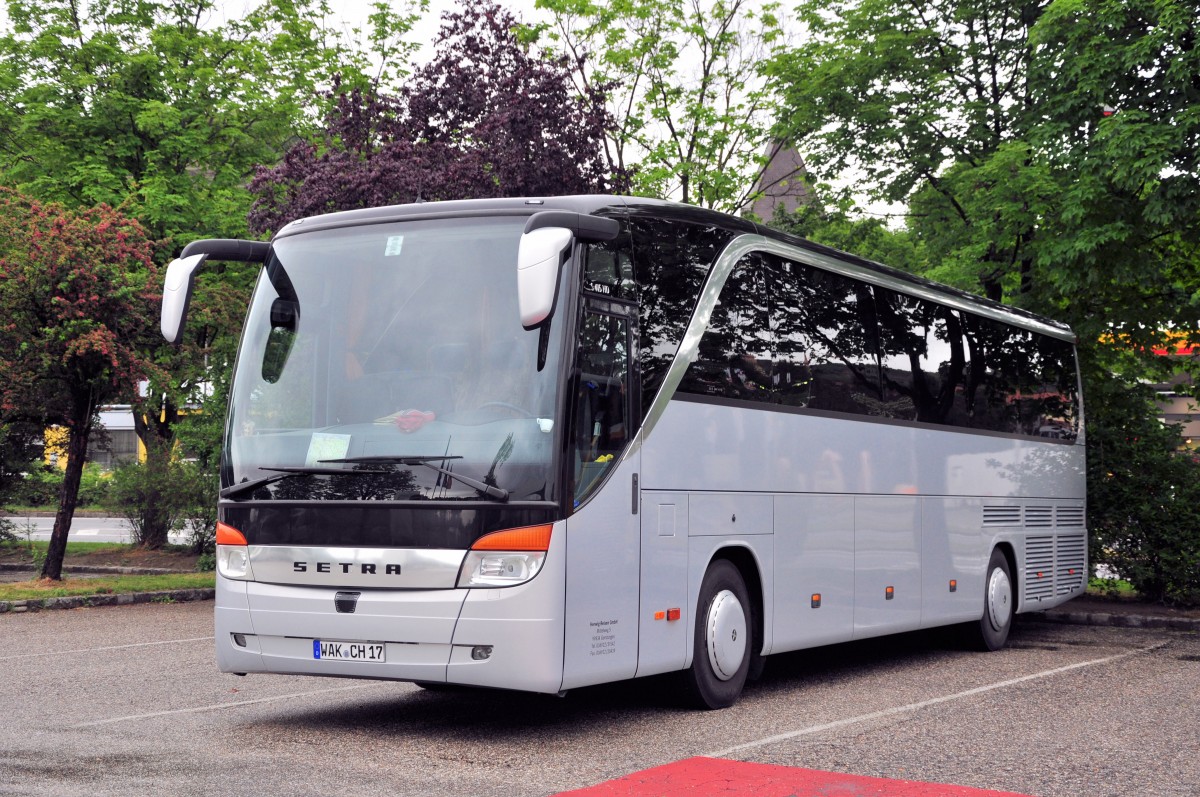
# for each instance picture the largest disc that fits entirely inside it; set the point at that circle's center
(539, 444)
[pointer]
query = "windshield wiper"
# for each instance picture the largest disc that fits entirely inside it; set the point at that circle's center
(491, 491)
(285, 472)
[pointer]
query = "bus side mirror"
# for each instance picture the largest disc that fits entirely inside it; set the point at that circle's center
(539, 261)
(177, 294)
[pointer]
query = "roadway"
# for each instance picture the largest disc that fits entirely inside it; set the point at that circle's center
(127, 700)
(84, 529)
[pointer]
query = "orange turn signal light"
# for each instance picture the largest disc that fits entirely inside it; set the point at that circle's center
(526, 538)
(228, 535)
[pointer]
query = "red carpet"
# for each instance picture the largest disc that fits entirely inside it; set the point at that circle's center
(701, 777)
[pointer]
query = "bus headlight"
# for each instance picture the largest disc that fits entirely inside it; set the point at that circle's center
(233, 553)
(499, 569)
(505, 558)
(233, 561)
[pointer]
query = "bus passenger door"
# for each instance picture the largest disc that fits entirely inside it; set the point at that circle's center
(663, 619)
(601, 634)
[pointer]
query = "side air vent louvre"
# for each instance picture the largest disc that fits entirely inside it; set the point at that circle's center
(1070, 563)
(1039, 517)
(1039, 568)
(1068, 517)
(1002, 516)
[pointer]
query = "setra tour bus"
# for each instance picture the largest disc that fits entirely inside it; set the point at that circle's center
(538, 444)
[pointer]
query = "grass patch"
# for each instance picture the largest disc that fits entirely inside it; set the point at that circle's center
(105, 585)
(1111, 588)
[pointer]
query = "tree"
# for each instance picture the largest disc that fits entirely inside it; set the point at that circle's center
(929, 102)
(148, 104)
(77, 298)
(840, 228)
(1134, 464)
(987, 120)
(684, 83)
(486, 117)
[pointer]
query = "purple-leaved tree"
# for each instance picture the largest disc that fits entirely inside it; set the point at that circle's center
(486, 117)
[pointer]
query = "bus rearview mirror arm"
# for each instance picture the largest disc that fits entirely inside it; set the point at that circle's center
(181, 277)
(539, 261)
(177, 295)
(545, 246)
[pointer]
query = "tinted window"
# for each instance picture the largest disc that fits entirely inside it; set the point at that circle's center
(825, 342)
(601, 409)
(799, 336)
(608, 268)
(734, 360)
(671, 263)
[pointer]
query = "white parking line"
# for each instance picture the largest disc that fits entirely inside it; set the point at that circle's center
(236, 704)
(85, 532)
(109, 647)
(891, 712)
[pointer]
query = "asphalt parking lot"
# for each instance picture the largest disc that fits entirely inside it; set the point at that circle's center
(127, 700)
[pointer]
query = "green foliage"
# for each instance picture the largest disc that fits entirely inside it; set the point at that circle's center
(40, 487)
(176, 492)
(42, 484)
(149, 104)
(1147, 529)
(869, 238)
(684, 82)
(78, 306)
(8, 532)
(199, 491)
(164, 496)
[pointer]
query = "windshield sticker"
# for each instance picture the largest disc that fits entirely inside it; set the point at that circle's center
(327, 446)
(394, 244)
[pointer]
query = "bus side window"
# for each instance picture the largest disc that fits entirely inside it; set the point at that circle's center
(601, 402)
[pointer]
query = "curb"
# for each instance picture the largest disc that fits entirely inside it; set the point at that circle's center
(82, 601)
(1115, 620)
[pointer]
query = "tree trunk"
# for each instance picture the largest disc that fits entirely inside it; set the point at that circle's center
(157, 433)
(157, 509)
(79, 431)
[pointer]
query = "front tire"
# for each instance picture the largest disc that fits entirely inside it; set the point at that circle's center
(999, 605)
(722, 638)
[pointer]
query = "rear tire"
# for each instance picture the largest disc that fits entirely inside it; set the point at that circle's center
(999, 605)
(722, 639)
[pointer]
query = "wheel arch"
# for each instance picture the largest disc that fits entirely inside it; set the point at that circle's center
(1006, 547)
(746, 561)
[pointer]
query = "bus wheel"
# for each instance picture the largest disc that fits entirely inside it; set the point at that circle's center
(999, 604)
(721, 650)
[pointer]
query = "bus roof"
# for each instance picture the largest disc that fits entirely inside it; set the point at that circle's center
(600, 204)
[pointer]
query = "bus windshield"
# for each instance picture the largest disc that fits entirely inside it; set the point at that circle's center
(388, 362)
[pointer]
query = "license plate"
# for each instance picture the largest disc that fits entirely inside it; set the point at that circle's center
(348, 651)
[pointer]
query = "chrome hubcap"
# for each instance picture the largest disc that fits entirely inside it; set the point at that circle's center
(727, 635)
(999, 599)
